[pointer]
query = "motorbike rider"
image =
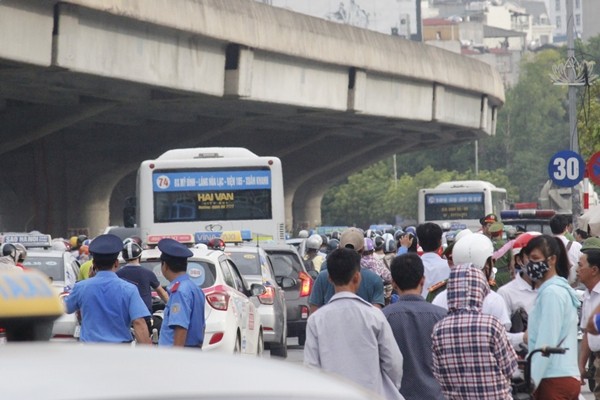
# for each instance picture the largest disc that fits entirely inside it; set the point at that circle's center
(9, 257)
(313, 257)
(477, 249)
(144, 279)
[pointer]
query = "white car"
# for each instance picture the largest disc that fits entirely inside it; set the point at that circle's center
(233, 324)
(33, 371)
(62, 269)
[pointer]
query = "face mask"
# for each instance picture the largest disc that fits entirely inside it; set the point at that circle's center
(537, 270)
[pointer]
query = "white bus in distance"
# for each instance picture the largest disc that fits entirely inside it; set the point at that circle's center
(461, 202)
(185, 191)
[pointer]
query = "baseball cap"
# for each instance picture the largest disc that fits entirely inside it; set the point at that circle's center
(352, 238)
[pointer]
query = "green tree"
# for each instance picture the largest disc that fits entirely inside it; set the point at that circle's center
(532, 126)
(373, 196)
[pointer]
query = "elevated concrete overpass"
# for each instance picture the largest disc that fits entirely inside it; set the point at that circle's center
(90, 88)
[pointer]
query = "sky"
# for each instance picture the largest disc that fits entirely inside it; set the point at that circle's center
(377, 15)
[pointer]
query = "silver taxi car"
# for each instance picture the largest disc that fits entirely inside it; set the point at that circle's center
(62, 269)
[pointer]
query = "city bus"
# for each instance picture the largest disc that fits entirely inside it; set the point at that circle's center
(212, 189)
(461, 202)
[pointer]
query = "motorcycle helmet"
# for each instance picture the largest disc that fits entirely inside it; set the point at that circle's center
(303, 234)
(332, 244)
(314, 242)
(216, 244)
(521, 241)
(475, 249)
(390, 246)
(131, 251)
(378, 242)
(21, 252)
(368, 246)
(9, 249)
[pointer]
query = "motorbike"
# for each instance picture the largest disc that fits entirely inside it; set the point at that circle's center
(523, 388)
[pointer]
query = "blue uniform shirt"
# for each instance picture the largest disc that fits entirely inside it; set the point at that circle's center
(185, 309)
(108, 305)
(370, 289)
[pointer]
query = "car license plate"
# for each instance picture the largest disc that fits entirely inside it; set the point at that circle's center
(77, 331)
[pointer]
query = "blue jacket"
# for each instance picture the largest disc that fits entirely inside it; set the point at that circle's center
(553, 322)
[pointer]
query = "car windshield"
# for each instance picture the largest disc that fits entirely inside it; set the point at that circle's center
(285, 264)
(247, 263)
(53, 267)
(202, 272)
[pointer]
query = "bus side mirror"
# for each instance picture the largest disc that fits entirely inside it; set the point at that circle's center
(129, 212)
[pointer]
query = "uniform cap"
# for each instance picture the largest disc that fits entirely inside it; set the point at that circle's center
(496, 227)
(106, 246)
(592, 243)
(173, 248)
(352, 238)
(489, 219)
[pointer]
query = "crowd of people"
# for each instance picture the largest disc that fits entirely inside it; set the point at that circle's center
(464, 309)
(413, 314)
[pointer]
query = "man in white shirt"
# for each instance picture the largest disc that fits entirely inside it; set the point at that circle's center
(588, 273)
(350, 337)
(518, 293)
(558, 225)
(436, 268)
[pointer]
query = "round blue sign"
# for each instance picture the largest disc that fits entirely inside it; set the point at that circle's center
(566, 168)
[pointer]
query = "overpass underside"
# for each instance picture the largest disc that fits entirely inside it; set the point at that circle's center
(90, 88)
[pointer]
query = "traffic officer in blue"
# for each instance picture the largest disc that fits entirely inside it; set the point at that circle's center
(183, 323)
(108, 304)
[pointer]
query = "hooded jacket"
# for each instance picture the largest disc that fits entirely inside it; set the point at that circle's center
(553, 322)
(472, 357)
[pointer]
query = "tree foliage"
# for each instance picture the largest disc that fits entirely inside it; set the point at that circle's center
(373, 196)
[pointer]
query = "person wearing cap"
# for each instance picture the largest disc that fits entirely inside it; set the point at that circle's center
(588, 273)
(184, 322)
(351, 338)
(502, 254)
(144, 279)
(109, 306)
(371, 285)
(486, 222)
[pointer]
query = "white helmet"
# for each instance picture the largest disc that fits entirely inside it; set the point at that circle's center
(303, 234)
(474, 249)
(462, 234)
(314, 242)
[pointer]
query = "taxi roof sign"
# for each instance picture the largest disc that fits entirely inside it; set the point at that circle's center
(181, 238)
(28, 239)
(225, 236)
(28, 294)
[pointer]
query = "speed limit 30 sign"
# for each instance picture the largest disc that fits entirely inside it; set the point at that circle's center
(566, 168)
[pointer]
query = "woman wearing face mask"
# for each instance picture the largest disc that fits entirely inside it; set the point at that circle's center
(553, 320)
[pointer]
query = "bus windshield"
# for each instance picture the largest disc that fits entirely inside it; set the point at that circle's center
(207, 195)
(453, 206)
